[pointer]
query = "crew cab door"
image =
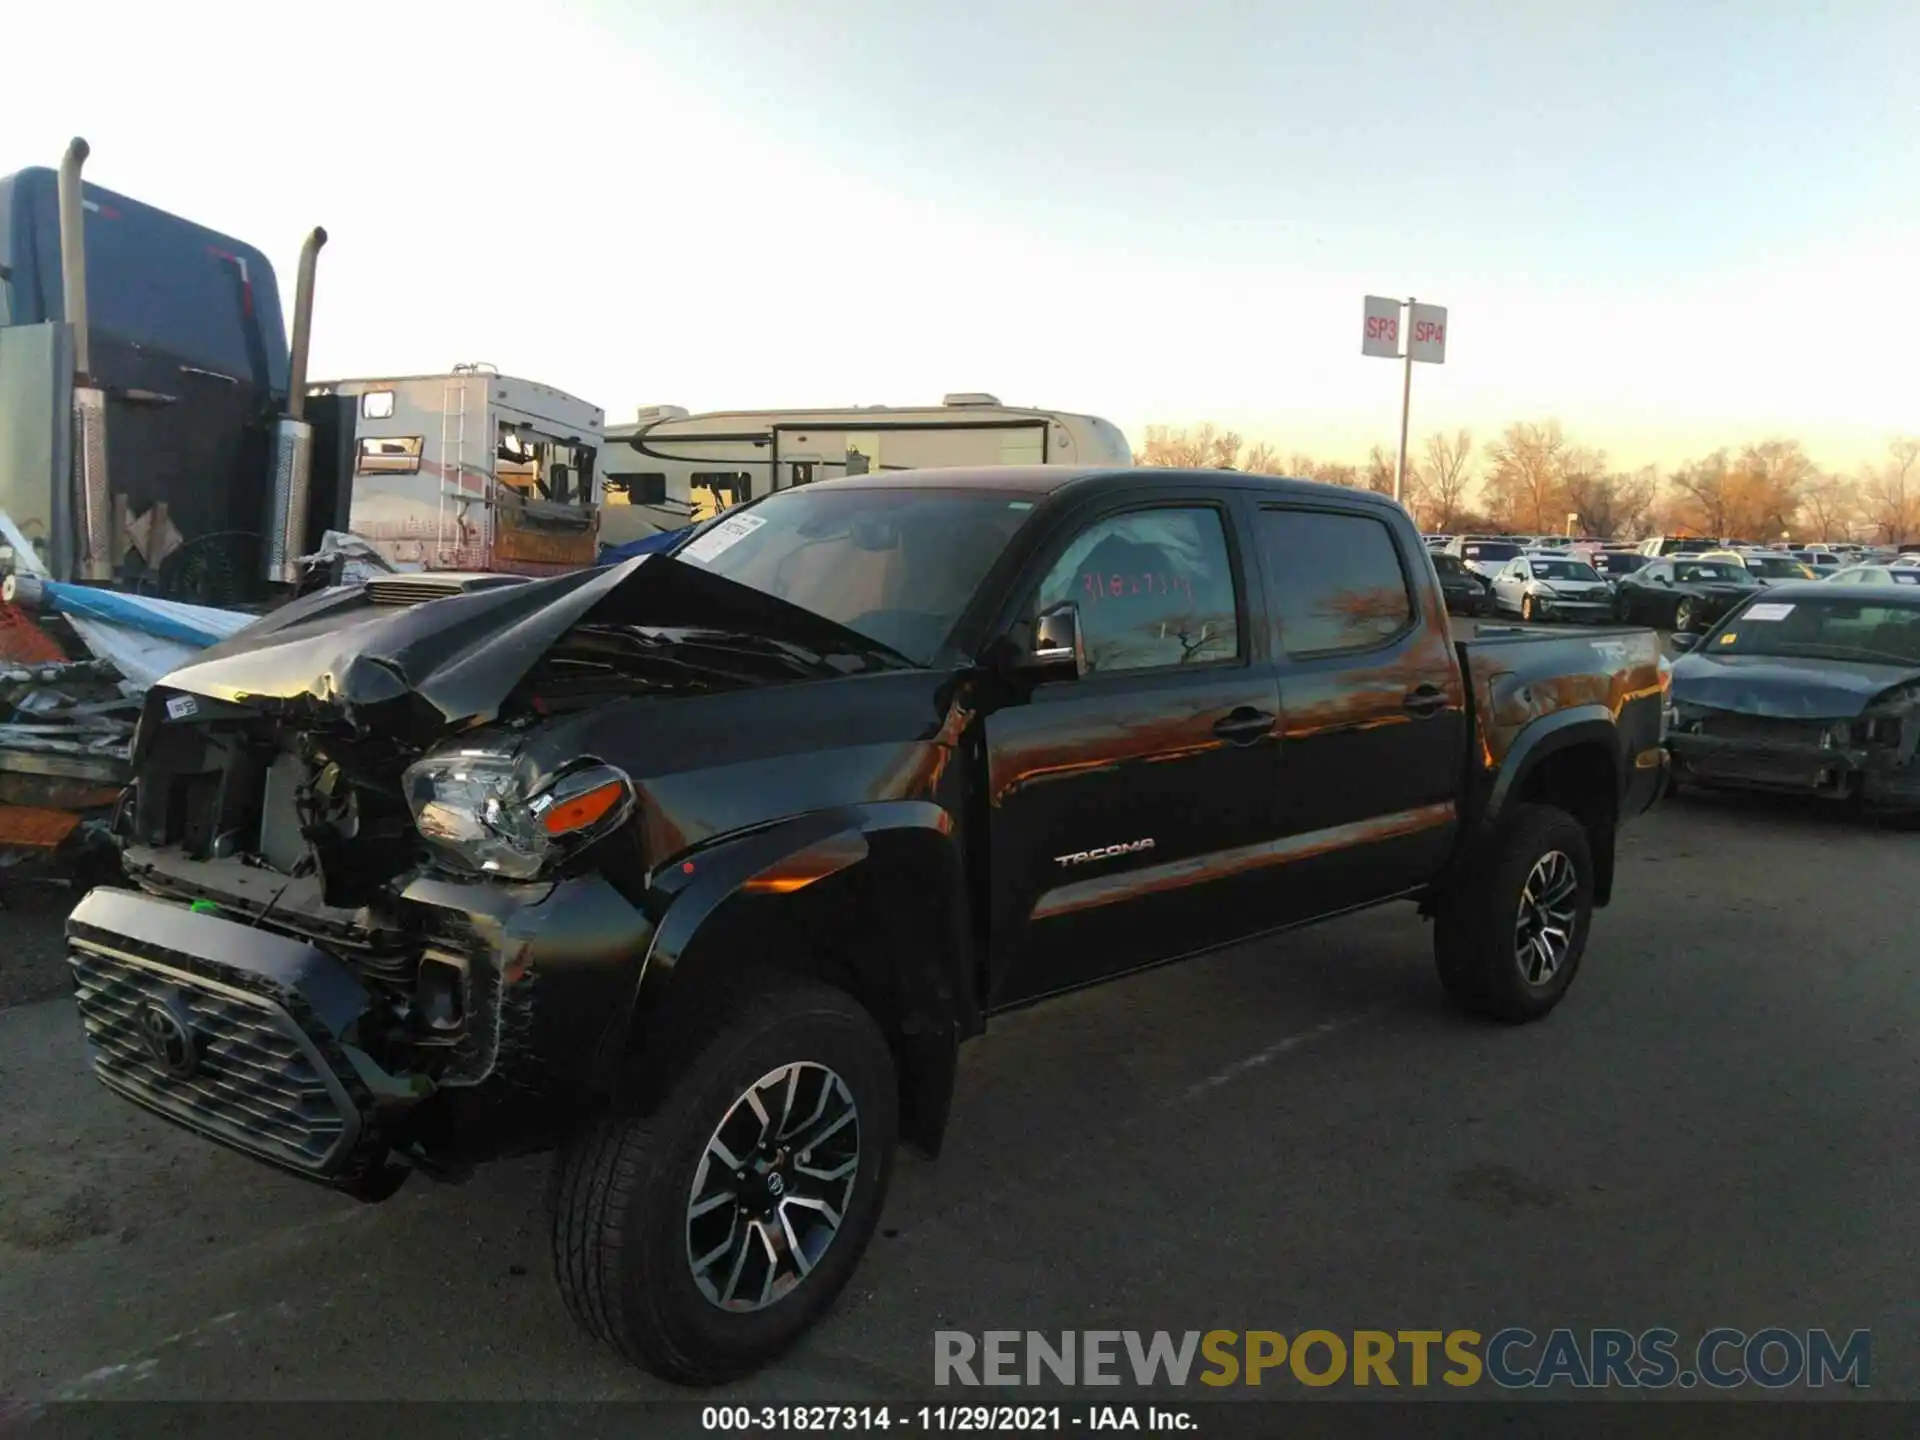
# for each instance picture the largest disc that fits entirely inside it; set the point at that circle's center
(1373, 707)
(1119, 801)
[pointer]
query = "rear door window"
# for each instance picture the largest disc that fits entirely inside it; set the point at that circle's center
(1338, 582)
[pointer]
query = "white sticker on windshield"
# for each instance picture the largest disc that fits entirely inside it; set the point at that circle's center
(722, 538)
(181, 706)
(1770, 611)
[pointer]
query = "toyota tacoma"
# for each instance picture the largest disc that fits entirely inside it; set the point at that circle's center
(697, 870)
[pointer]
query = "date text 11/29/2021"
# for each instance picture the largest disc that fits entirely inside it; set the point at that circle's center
(946, 1419)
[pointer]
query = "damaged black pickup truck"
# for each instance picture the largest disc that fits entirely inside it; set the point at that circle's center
(700, 868)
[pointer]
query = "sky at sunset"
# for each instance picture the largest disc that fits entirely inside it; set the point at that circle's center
(1672, 226)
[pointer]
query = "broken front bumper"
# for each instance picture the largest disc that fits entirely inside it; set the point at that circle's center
(1880, 776)
(273, 1045)
(229, 1030)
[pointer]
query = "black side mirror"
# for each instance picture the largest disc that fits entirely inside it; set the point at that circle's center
(1685, 640)
(1057, 651)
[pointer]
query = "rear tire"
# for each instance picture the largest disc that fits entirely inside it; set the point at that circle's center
(634, 1195)
(1533, 876)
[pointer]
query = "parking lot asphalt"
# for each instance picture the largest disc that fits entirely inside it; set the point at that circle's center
(1716, 1128)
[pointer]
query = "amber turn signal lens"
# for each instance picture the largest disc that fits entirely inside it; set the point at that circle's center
(583, 810)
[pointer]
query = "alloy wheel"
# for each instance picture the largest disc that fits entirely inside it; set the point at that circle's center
(1543, 930)
(773, 1186)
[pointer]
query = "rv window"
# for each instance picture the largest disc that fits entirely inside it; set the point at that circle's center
(802, 473)
(390, 455)
(376, 405)
(724, 487)
(650, 489)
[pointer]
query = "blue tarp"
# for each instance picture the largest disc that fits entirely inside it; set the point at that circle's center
(195, 625)
(645, 545)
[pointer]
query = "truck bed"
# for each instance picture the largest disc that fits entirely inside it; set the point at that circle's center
(1518, 675)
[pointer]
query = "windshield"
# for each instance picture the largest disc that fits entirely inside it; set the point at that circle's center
(1778, 567)
(1711, 572)
(1564, 570)
(897, 565)
(1448, 565)
(1887, 631)
(1489, 550)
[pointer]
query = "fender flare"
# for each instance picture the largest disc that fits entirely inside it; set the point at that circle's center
(1577, 725)
(1549, 735)
(935, 1001)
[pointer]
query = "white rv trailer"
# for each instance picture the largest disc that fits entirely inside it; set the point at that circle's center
(673, 467)
(473, 470)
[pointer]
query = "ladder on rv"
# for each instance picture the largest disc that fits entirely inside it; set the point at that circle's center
(451, 546)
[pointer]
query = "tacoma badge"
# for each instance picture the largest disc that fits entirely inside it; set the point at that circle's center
(1105, 852)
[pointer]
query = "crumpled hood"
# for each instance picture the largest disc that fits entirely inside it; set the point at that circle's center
(1785, 688)
(464, 654)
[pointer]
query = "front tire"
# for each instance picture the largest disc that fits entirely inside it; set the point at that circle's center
(704, 1229)
(1508, 942)
(1684, 615)
(1526, 607)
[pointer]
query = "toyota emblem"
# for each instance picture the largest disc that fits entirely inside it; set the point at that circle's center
(168, 1036)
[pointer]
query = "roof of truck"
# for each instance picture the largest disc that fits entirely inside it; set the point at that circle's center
(1048, 479)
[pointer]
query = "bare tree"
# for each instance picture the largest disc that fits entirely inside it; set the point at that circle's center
(1768, 482)
(1607, 503)
(1445, 477)
(1828, 506)
(1524, 485)
(1379, 470)
(1704, 495)
(1890, 493)
(1262, 459)
(1205, 447)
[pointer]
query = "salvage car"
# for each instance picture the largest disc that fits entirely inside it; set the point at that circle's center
(1484, 555)
(1466, 591)
(1874, 575)
(1813, 690)
(1613, 564)
(699, 868)
(1682, 594)
(1552, 587)
(1767, 567)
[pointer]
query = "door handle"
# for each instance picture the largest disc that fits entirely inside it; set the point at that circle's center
(1424, 700)
(1243, 725)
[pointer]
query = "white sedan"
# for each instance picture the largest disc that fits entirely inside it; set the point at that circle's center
(1552, 587)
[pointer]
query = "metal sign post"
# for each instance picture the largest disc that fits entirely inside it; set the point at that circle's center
(1426, 341)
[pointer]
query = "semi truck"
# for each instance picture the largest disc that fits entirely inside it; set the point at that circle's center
(158, 431)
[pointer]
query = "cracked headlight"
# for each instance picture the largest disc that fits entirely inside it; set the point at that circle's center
(477, 810)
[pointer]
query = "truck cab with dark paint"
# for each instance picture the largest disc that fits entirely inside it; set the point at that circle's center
(699, 869)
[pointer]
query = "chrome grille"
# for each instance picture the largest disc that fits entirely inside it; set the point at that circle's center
(260, 1084)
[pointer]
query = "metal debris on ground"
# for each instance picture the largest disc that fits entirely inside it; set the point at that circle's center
(75, 663)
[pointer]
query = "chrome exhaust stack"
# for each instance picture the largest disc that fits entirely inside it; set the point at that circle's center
(293, 437)
(92, 496)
